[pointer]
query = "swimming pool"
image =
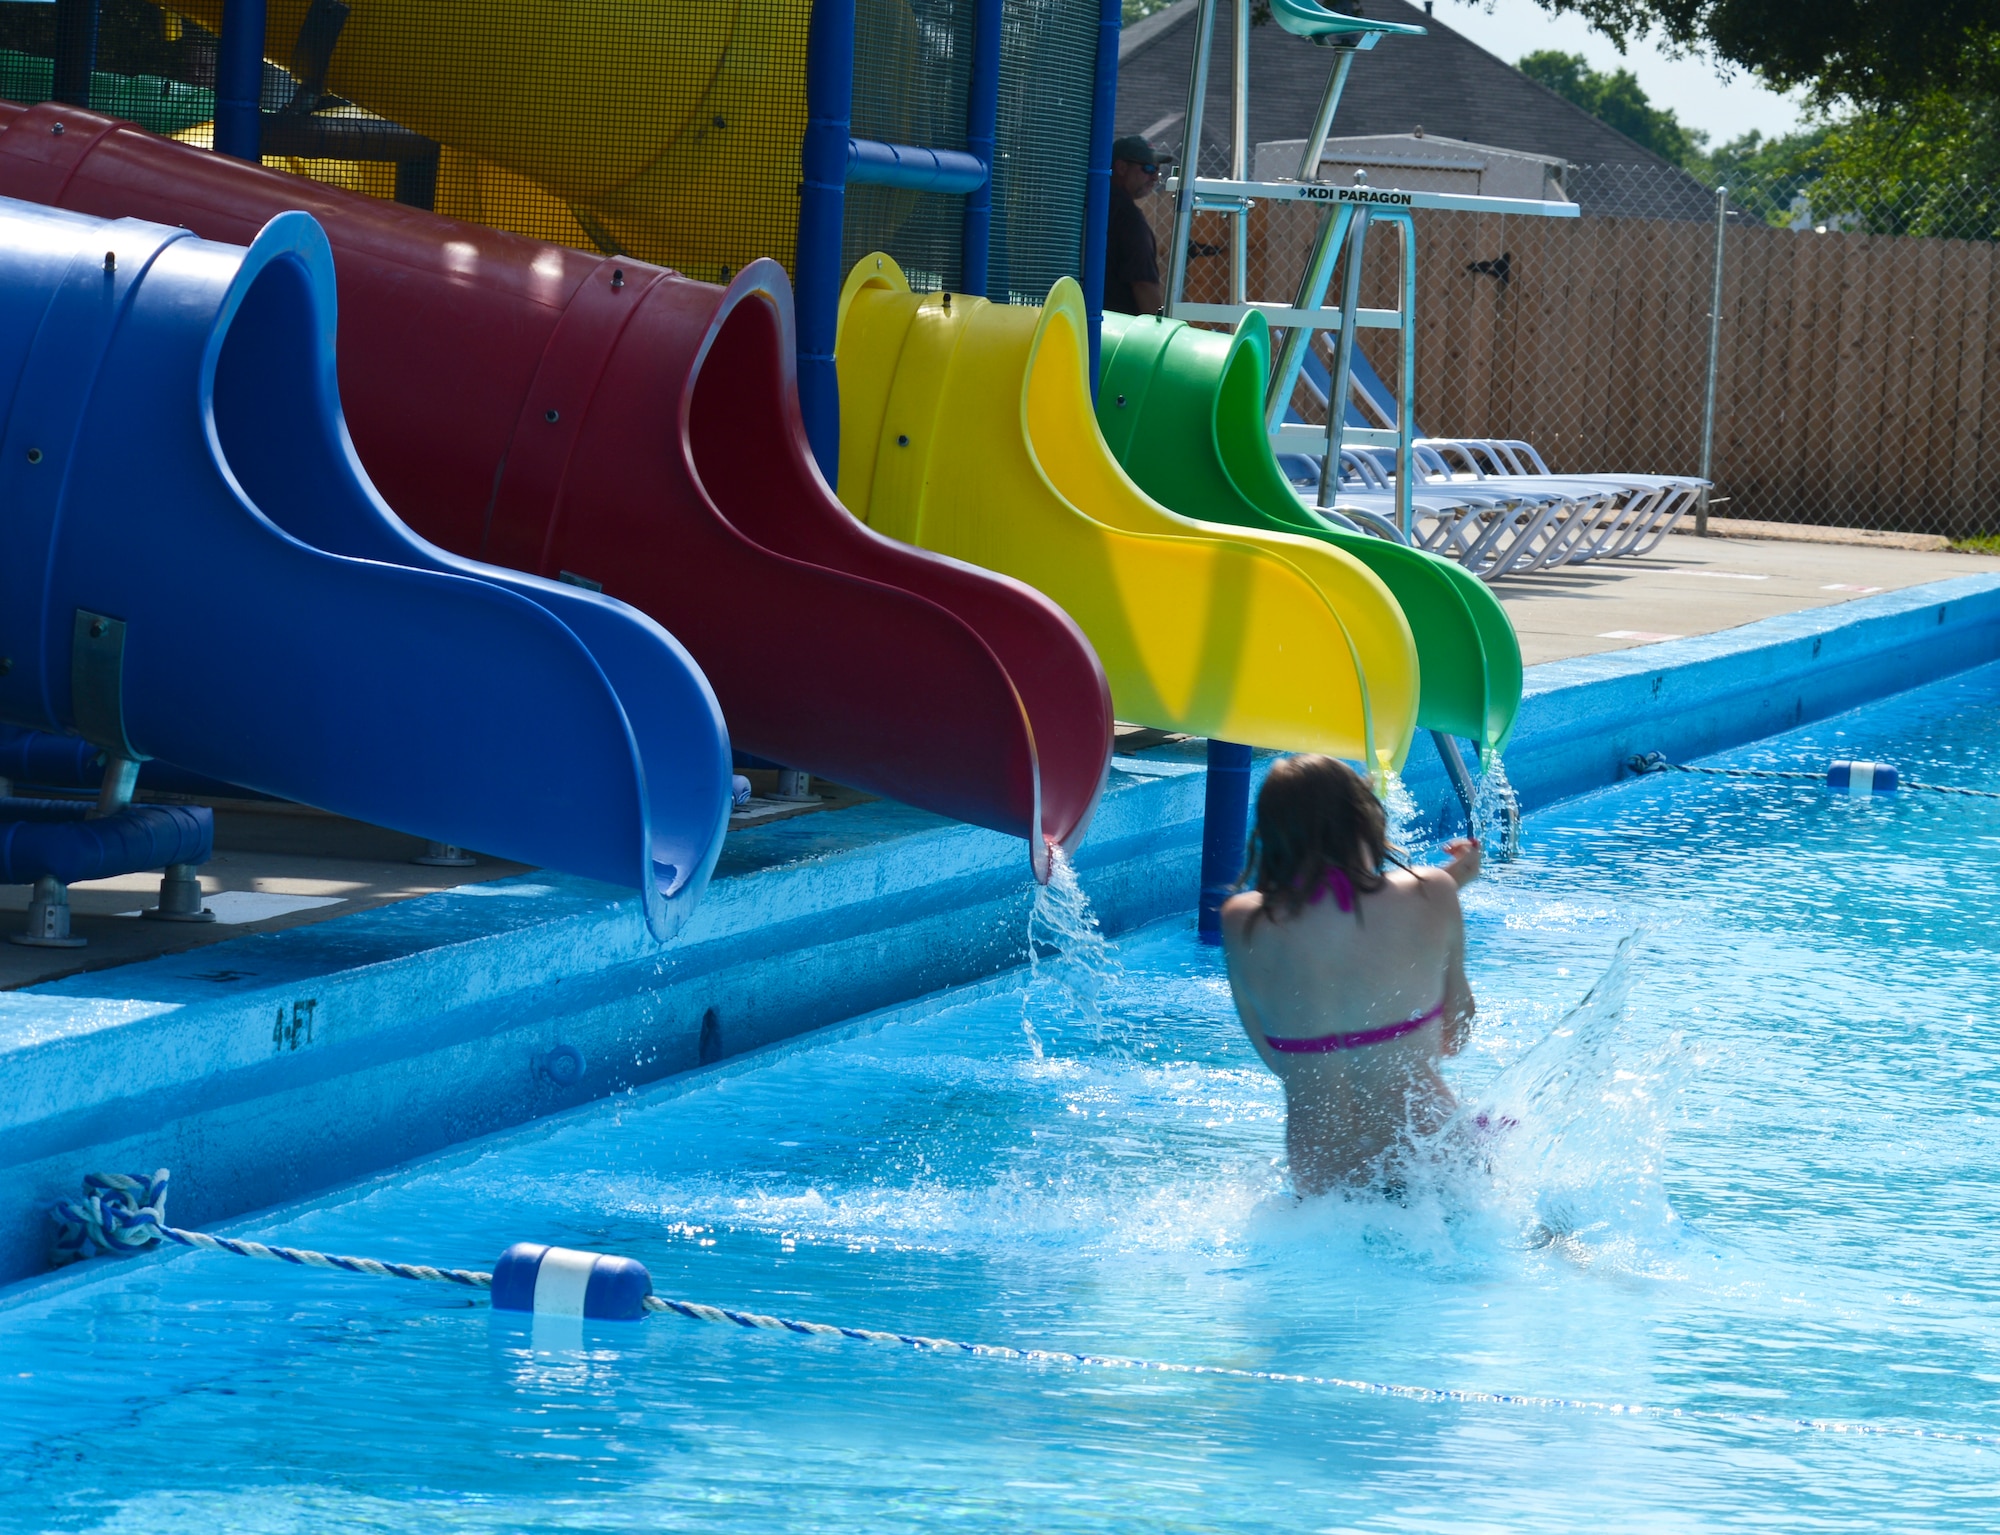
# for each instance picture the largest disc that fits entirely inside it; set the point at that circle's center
(1767, 1176)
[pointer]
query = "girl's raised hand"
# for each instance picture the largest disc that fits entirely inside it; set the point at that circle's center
(1463, 866)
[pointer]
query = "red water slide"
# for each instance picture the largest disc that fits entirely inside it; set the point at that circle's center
(606, 421)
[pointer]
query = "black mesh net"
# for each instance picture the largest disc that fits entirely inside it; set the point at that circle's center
(151, 68)
(912, 84)
(1047, 61)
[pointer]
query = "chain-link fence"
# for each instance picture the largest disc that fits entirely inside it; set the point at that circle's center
(1858, 360)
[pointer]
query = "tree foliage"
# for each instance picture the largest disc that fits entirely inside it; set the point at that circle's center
(1929, 166)
(1615, 99)
(1867, 53)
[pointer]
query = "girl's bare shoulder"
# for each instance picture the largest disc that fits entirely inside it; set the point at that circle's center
(1423, 882)
(1435, 882)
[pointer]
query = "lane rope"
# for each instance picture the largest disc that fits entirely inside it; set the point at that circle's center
(122, 1214)
(1654, 762)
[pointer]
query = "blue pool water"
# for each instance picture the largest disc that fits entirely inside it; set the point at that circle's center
(1769, 1171)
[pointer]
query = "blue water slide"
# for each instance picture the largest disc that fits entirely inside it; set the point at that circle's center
(195, 567)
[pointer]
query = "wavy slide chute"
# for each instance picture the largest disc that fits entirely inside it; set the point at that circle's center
(608, 421)
(194, 566)
(1183, 412)
(966, 428)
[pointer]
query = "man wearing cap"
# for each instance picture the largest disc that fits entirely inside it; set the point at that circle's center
(1131, 256)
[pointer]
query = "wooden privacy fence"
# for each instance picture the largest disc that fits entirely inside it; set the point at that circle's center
(1858, 374)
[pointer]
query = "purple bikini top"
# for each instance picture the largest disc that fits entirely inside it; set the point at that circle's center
(1339, 886)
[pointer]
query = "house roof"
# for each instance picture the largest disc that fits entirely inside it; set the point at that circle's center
(1443, 82)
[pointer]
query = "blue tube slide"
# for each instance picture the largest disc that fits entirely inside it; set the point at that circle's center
(195, 567)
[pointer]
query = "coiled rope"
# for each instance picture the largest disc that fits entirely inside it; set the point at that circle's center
(1653, 762)
(123, 1214)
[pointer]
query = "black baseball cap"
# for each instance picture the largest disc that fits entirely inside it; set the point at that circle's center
(1134, 150)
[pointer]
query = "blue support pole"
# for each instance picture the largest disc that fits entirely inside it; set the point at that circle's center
(822, 212)
(982, 128)
(76, 51)
(1097, 190)
(1225, 831)
(239, 81)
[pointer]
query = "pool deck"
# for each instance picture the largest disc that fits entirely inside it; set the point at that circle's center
(1693, 586)
(273, 1063)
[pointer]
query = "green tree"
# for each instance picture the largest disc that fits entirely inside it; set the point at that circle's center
(1767, 177)
(1927, 167)
(1907, 93)
(1860, 52)
(1617, 100)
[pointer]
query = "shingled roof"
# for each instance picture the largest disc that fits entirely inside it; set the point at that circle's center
(1443, 82)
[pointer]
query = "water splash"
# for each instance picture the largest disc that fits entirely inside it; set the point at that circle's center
(1561, 1154)
(1574, 1133)
(1069, 963)
(1399, 805)
(1496, 810)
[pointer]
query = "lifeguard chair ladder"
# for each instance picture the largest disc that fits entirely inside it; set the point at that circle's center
(1349, 211)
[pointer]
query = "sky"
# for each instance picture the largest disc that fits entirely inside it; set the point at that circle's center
(1689, 87)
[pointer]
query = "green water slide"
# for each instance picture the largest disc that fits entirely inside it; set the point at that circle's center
(1183, 412)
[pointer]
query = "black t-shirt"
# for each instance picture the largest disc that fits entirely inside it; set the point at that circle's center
(1130, 254)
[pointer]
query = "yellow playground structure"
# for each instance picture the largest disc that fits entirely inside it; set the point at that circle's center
(967, 429)
(678, 145)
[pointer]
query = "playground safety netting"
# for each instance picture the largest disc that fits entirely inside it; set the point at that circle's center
(912, 85)
(1858, 354)
(1048, 51)
(663, 129)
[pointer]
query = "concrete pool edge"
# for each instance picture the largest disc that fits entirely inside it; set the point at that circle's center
(274, 1065)
(1582, 719)
(407, 1029)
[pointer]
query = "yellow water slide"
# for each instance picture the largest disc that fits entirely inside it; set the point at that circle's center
(966, 428)
(669, 128)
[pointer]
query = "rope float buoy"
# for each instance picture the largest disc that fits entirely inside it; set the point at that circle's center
(1857, 779)
(121, 1214)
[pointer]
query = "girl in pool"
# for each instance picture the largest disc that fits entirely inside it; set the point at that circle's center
(1348, 968)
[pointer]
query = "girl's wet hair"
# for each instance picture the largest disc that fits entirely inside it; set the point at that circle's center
(1315, 816)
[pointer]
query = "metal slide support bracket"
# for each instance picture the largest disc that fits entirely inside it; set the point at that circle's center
(1507, 804)
(97, 704)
